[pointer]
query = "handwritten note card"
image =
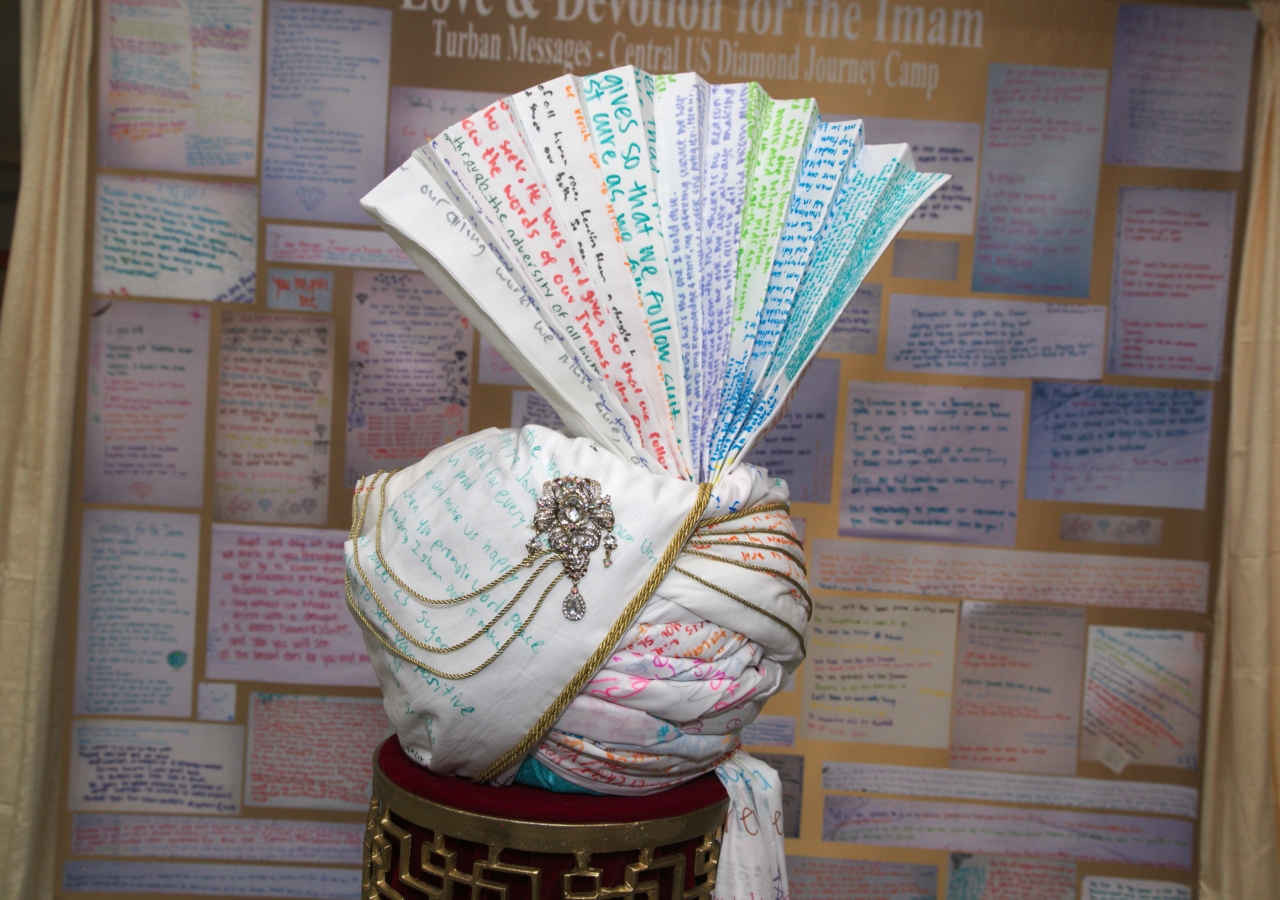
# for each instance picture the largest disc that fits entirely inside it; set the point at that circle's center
(496, 370)
(950, 147)
(135, 879)
(879, 671)
(801, 447)
(277, 609)
(145, 409)
(1040, 158)
(208, 837)
(129, 765)
(819, 878)
(303, 290)
(1098, 888)
(1003, 338)
(1071, 578)
(1143, 692)
(1169, 282)
(313, 245)
(1143, 531)
(770, 731)
(419, 114)
(1001, 787)
(324, 124)
(530, 408)
(178, 85)
(275, 387)
(216, 701)
(974, 828)
(1095, 443)
(1180, 87)
(312, 752)
(187, 240)
(931, 463)
(1017, 706)
(1008, 878)
(409, 378)
(135, 629)
(858, 328)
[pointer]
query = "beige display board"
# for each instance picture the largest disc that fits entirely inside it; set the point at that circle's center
(1004, 691)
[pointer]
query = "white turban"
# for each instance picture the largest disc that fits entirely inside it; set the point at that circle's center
(688, 625)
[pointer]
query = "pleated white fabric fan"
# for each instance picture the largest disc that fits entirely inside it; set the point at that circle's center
(672, 252)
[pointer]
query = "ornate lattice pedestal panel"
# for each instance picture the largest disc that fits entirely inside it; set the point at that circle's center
(434, 838)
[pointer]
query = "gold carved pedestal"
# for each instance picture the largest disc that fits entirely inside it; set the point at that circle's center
(417, 848)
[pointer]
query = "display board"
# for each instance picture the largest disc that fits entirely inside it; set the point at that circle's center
(1006, 463)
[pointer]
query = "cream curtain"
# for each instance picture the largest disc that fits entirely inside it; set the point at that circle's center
(1238, 850)
(40, 330)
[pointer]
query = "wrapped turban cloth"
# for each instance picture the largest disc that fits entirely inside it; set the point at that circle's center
(538, 609)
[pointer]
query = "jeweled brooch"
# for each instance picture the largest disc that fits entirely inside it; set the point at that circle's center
(576, 518)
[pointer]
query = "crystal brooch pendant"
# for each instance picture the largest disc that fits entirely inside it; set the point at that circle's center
(576, 519)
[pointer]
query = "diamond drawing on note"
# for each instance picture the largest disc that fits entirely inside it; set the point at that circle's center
(310, 197)
(576, 519)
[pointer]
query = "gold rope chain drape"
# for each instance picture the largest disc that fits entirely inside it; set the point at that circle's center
(359, 510)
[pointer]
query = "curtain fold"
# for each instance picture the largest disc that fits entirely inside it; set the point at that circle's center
(1238, 839)
(39, 341)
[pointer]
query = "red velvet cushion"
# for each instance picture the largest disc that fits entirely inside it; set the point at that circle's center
(531, 804)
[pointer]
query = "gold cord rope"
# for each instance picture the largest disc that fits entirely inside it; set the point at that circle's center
(747, 603)
(695, 541)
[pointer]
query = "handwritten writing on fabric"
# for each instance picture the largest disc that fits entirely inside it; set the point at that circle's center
(208, 837)
(1095, 443)
(1169, 282)
(1017, 703)
(790, 769)
(770, 731)
(1145, 531)
(301, 290)
(1008, 878)
(409, 372)
(277, 609)
(178, 85)
(950, 147)
(311, 244)
(135, 629)
(1180, 87)
(186, 240)
(416, 115)
(1000, 787)
(531, 408)
(131, 765)
(880, 671)
(324, 120)
(1071, 578)
(858, 328)
(216, 701)
(312, 752)
(801, 447)
(1004, 338)
(924, 462)
(275, 389)
(1143, 692)
(134, 879)
(1098, 888)
(1042, 147)
(145, 416)
(975, 828)
(819, 878)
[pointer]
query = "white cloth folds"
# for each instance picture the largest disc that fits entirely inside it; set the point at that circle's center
(696, 623)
